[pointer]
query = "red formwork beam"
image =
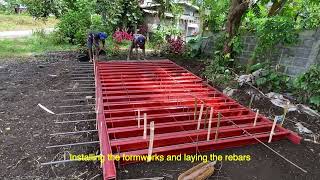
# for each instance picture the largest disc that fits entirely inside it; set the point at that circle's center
(167, 93)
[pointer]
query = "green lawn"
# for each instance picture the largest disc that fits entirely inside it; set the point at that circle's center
(22, 22)
(30, 46)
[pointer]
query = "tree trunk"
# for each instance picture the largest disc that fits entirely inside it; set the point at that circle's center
(237, 9)
(201, 20)
(276, 7)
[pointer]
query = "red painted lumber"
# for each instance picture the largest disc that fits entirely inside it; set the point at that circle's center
(167, 92)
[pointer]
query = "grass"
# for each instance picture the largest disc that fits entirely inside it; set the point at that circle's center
(36, 44)
(40, 43)
(11, 22)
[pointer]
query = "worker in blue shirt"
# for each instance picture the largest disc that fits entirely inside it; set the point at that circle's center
(138, 41)
(93, 44)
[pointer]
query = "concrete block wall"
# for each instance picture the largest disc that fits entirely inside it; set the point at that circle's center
(293, 60)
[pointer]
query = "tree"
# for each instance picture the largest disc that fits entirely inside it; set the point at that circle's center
(44, 8)
(177, 11)
(119, 12)
(163, 6)
(131, 12)
(213, 14)
(10, 5)
(237, 9)
(75, 23)
(276, 7)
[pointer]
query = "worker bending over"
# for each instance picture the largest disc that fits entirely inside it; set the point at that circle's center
(93, 42)
(138, 41)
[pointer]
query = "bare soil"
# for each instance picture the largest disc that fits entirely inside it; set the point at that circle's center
(25, 130)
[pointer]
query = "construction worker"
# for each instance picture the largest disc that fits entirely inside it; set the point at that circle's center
(93, 44)
(138, 41)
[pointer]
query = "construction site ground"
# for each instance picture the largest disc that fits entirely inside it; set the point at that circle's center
(25, 131)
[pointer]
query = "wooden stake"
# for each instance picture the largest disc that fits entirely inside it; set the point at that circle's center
(151, 141)
(200, 116)
(145, 126)
(272, 129)
(255, 119)
(251, 100)
(139, 118)
(218, 125)
(195, 109)
(209, 125)
(285, 111)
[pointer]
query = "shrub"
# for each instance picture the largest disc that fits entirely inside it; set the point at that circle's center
(74, 26)
(120, 36)
(75, 23)
(269, 79)
(157, 38)
(97, 24)
(218, 71)
(272, 31)
(176, 46)
(143, 29)
(194, 47)
(307, 87)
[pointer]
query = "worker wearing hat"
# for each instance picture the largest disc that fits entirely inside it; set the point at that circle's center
(93, 44)
(138, 41)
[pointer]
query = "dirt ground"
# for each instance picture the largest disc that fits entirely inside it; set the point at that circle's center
(25, 130)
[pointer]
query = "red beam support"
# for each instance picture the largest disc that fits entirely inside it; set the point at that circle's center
(108, 167)
(167, 93)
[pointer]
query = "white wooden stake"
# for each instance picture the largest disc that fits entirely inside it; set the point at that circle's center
(218, 125)
(255, 119)
(46, 109)
(145, 126)
(139, 118)
(285, 111)
(209, 125)
(200, 116)
(251, 100)
(151, 141)
(272, 129)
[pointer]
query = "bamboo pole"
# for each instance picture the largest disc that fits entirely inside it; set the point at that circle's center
(218, 125)
(145, 126)
(151, 141)
(209, 125)
(200, 116)
(272, 129)
(255, 119)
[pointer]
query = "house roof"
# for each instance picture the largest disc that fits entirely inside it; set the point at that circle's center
(155, 12)
(189, 4)
(183, 17)
(149, 5)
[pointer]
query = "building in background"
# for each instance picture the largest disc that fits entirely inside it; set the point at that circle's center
(188, 23)
(19, 8)
(13, 6)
